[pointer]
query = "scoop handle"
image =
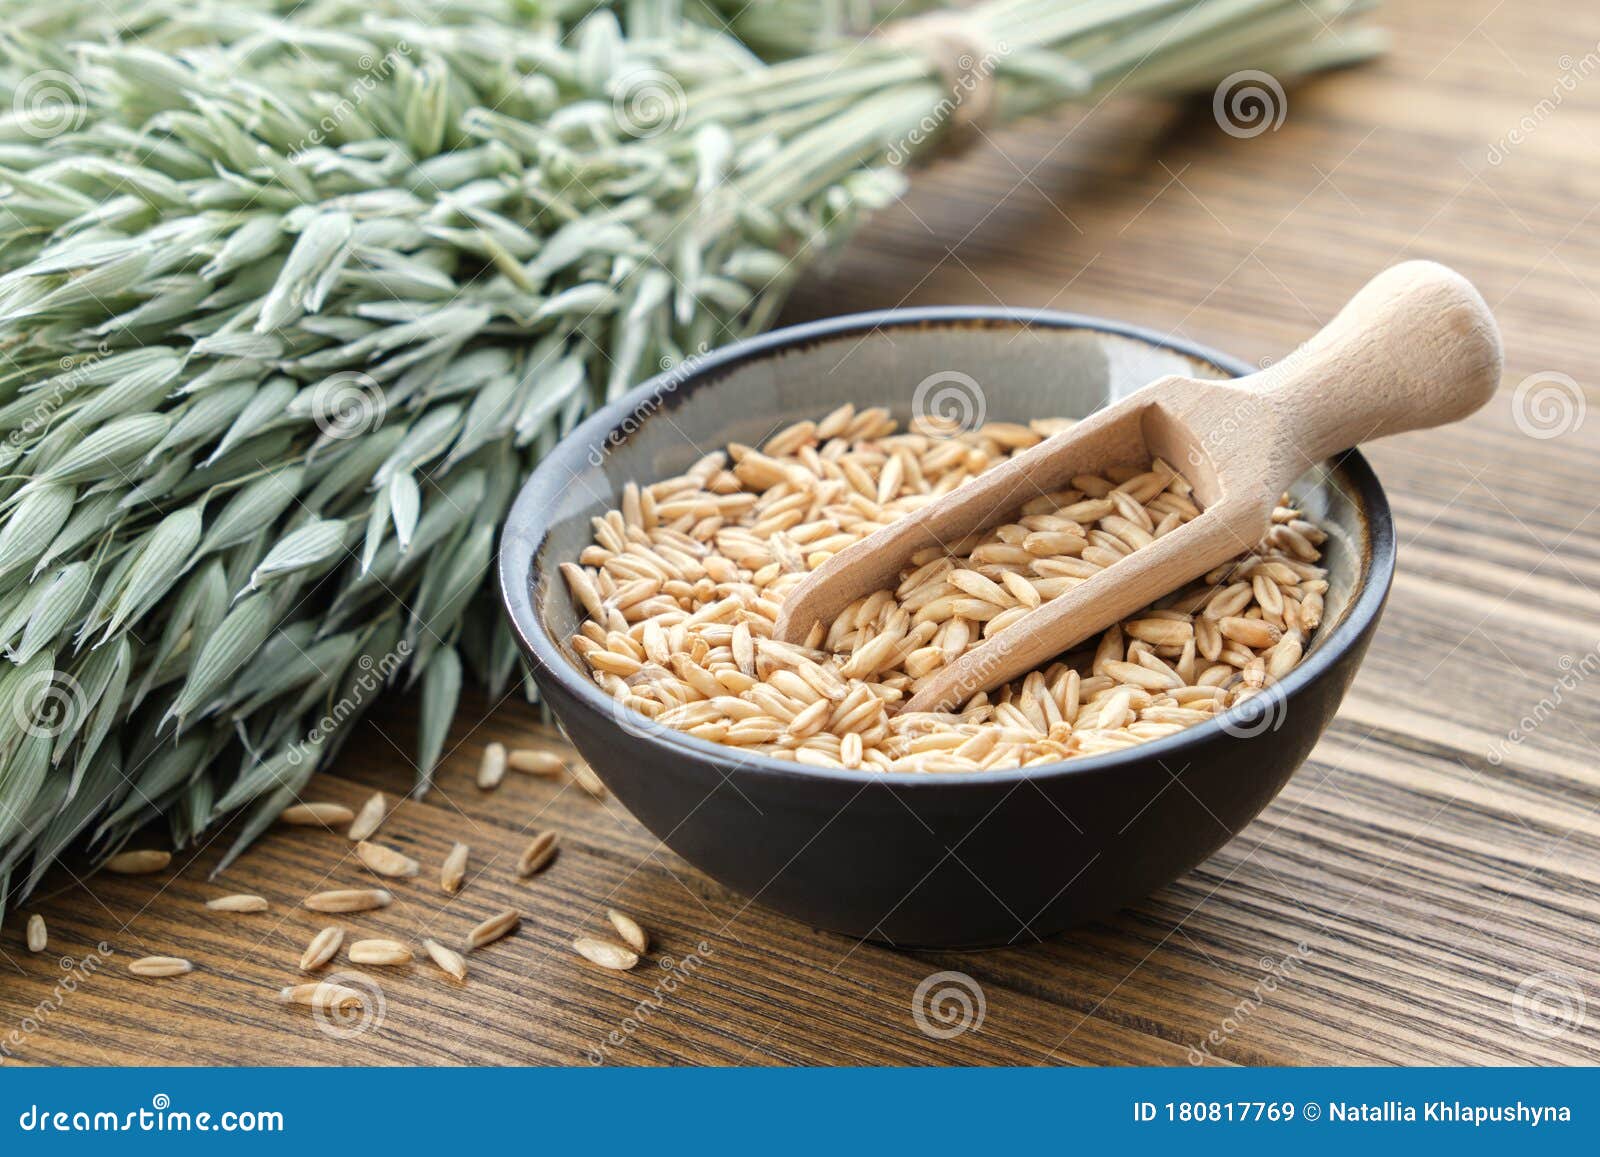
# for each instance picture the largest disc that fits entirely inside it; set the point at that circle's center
(1416, 347)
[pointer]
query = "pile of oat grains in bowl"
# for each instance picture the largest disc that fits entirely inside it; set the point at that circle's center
(682, 586)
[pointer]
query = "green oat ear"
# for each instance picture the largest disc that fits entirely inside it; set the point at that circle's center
(62, 597)
(33, 523)
(317, 544)
(441, 691)
(276, 283)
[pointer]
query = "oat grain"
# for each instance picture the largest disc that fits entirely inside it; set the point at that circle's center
(140, 863)
(370, 818)
(606, 954)
(538, 854)
(446, 958)
(385, 861)
(631, 931)
(681, 607)
(324, 947)
(349, 900)
(160, 966)
(453, 872)
(238, 903)
(327, 815)
(494, 928)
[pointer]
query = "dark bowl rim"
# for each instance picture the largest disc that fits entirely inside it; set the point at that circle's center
(525, 526)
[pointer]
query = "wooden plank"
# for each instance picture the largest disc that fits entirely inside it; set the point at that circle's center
(1437, 853)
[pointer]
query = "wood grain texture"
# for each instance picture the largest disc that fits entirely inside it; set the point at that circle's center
(1439, 853)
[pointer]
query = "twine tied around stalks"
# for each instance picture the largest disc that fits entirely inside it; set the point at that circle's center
(959, 50)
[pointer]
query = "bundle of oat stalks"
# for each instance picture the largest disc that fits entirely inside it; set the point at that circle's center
(292, 296)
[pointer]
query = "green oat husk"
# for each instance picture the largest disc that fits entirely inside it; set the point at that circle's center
(292, 298)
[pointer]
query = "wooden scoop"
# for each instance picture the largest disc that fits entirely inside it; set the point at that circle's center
(1417, 347)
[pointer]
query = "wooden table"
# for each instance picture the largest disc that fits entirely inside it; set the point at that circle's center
(1431, 879)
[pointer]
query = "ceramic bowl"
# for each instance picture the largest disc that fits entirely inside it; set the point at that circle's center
(927, 860)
